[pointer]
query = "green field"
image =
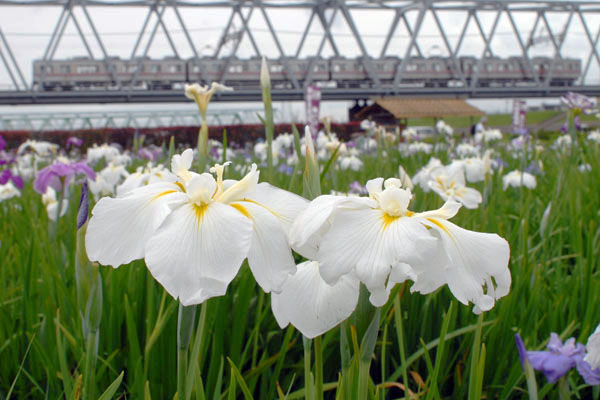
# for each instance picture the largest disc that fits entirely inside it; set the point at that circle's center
(493, 120)
(240, 351)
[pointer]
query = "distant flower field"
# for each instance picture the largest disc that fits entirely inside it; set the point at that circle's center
(302, 266)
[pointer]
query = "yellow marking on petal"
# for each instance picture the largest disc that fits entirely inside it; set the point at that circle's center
(265, 207)
(389, 219)
(199, 210)
(442, 227)
(166, 192)
(243, 210)
(180, 186)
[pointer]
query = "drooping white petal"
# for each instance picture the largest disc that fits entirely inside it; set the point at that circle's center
(371, 242)
(399, 273)
(197, 251)
(286, 206)
(469, 197)
(447, 211)
(473, 260)
(270, 257)
(310, 304)
(593, 349)
(308, 227)
(119, 228)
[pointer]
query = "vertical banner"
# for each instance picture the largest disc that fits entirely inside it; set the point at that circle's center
(518, 117)
(312, 100)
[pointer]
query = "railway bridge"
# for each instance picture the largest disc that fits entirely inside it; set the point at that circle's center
(353, 49)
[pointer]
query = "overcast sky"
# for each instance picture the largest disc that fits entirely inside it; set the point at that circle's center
(28, 31)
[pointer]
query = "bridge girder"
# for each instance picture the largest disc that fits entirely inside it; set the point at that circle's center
(410, 16)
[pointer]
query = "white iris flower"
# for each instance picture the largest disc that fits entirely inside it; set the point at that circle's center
(382, 243)
(593, 349)
(449, 183)
(195, 232)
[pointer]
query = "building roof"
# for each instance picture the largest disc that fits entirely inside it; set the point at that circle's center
(402, 107)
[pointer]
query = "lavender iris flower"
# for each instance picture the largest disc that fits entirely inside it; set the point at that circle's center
(578, 102)
(556, 361)
(7, 175)
(589, 375)
(74, 142)
(357, 188)
(55, 174)
(2, 143)
(577, 122)
(83, 211)
(145, 153)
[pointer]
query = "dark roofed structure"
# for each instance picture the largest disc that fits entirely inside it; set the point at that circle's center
(388, 110)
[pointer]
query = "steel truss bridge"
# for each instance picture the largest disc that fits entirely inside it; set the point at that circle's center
(174, 116)
(403, 31)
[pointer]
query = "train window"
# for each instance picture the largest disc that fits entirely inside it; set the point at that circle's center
(196, 68)
(336, 68)
(421, 67)
(437, 67)
(154, 68)
(46, 68)
(65, 69)
(235, 69)
(558, 67)
(276, 68)
(132, 68)
(488, 67)
(174, 68)
(87, 69)
(300, 67)
(411, 67)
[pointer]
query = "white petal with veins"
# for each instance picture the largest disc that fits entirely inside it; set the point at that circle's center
(310, 304)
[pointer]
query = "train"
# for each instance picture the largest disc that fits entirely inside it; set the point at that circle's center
(81, 73)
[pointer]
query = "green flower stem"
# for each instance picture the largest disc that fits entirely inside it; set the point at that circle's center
(89, 372)
(185, 327)
(318, 368)
(563, 389)
(308, 377)
(269, 129)
(203, 144)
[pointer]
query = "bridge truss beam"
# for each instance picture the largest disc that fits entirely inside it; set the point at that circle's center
(417, 18)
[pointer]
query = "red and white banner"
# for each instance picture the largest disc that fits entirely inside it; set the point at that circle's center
(519, 115)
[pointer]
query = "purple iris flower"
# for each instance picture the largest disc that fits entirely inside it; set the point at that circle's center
(83, 211)
(145, 153)
(556, 361)
(54, 174)
(589, 375)
(285, 169)
(577, 122)
(7, 175)
(74, 142)
(2, 143)
(578, 101)
(357, 188)
(534, 168)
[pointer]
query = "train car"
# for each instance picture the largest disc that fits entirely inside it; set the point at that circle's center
(171, 73)
(72, 74)
(562, 72)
